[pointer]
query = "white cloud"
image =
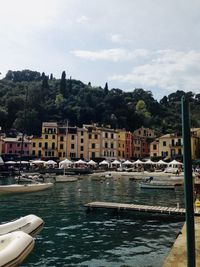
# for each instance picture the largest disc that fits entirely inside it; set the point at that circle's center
(83, 19)
(119, 39)
(168, 69)
(115, 54)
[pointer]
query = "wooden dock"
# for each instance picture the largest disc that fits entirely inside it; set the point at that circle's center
(138, 208)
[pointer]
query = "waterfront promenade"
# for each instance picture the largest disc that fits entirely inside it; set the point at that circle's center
(178, 254)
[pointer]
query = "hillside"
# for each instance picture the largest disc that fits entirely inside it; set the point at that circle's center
(27, 98)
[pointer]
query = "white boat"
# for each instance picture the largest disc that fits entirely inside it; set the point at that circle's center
(14, 248)
(65, 178)
(157, 185)
(24, 188)
(30, 224)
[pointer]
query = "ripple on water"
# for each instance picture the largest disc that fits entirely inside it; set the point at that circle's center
(72, 237)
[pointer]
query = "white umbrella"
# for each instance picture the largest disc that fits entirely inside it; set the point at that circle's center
(1, 161)
(104, 162)
(161, 162)
(116, 162)
(10, 162)
(50, 162)
(38, 161)
(22, 162)
(127, 162)
(138, 162)
(175, 162)
(149, 161)
(65, 163)
(80, 161)
(92, 162)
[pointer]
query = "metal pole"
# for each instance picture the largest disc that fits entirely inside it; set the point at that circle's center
(188, 184)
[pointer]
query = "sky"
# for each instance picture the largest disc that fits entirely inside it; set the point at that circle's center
(149, 44)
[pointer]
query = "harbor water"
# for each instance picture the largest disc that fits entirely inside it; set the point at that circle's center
(74, 237)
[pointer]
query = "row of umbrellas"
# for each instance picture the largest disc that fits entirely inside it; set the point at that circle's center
(68, 162)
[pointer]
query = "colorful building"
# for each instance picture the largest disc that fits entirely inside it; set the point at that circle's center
(142, 138)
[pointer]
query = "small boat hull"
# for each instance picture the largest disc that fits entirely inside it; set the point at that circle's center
(30, 224)
(14, 248)
(24, 188)
(65, 178)
(157, 186)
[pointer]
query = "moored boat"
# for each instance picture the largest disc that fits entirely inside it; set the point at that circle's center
(14, 248)
(30, 224)
(24, 188)
(65, 178)
(157, 185)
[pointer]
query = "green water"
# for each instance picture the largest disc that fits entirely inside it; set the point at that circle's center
(74, 237)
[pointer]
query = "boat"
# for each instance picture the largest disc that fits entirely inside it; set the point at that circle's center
(65, 178)
(14, 248)
(156, 185)
(30, 224)
(24, 188)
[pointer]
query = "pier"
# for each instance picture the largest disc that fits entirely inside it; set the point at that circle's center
(139, 208)
(178, 254)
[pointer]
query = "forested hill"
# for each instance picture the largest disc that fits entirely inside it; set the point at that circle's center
(28, 98)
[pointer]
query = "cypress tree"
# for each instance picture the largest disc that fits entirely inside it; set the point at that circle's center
(63, 87)
(106, 89)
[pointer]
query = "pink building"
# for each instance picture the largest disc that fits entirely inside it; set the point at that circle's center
(14, 145)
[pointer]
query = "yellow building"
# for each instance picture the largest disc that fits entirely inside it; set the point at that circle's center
(121, 144)
(171, 145)
(94, 141)
(109, 143)
(36, 147)
(82, 143)
(62, 142)
(50, 139)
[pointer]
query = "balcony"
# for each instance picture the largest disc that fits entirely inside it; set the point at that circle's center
(177, 144)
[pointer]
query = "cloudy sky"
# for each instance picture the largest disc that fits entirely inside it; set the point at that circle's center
(130, 44)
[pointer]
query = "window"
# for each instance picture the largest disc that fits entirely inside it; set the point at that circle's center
(72, 146)
(106, 135)
(33, 152)
(34, 144)
(62, 138)
(46, 136)
(82, 140)
(45, 153)
(25, 145)
(40, 144)
(59, 154)
(53, 136)
(93, 146)
(10, 145)
(39, 153)
(111, 145)
(90, 136)
(49, 153)
(93, 154)
(154, 147)
(106, 145)
(96, 136)
(18, 145)
(64, 154)
(112, 135)
(72, 137)
(82, 132)
(53, 145)
(61, 147)
(81, 156)
(81, 148)
(46, 145)
(164, 143)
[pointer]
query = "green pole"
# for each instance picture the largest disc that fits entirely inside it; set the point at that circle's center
(188, 184)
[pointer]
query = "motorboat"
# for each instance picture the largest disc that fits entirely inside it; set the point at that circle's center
(14, 248)
(65, 178)
(24, 188)
(156, 185)
(30, 224)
